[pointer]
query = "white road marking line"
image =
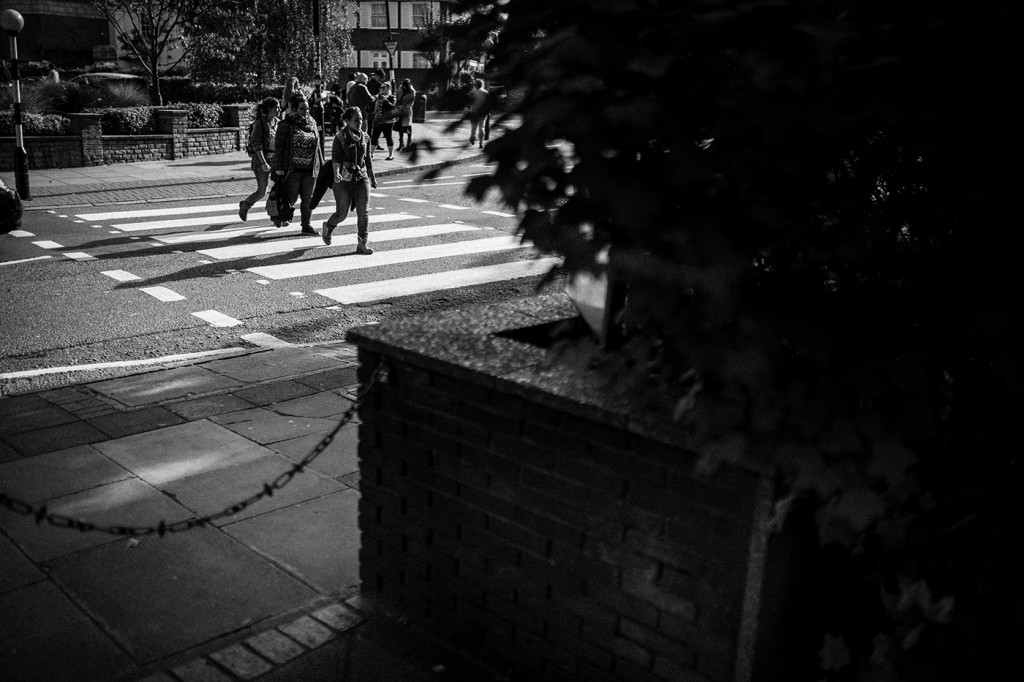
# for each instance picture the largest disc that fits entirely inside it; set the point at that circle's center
(163, 294)
(424, 185)
(249, 250)
(265, 340)
(217, 319)
(24, 260)
(78, 221)
(324, 210)
(500, 214)
(155, 212)
(415, 201)
(322, 266)
(297, 294)
(123, 363)
(216, 235)
(21, 233)
(439, 281)
(453, 207)
(46, 244)
(79, 255)
(120, 275)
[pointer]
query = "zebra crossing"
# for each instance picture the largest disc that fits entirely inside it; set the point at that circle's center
(413, 254)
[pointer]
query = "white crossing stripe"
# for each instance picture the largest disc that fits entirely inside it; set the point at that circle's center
(500, 214)
(344, 263)
(162, 294)
(263, 249)
(453, 207)
(450, 279)
(415, 201)
(217, 319)
(21, 233)
(46, 244)
(265, 340)
(120, 275)
(325, 210)
(156, 212)
(214, 235)
(79, 255)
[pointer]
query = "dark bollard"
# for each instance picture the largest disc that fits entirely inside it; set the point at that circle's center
(419, 108)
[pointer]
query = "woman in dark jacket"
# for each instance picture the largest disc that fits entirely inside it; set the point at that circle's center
(264, 130)
(298, 157)
(352, 164)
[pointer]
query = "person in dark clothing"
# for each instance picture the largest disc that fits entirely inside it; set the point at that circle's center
(298, 157)
(352, 166)
(359, 96)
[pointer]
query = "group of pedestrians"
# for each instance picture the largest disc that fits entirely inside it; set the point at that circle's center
(287, 148)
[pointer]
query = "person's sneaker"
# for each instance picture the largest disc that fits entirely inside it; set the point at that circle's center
(310, 231)
(362, 248)
(243, 210)
(326, 233)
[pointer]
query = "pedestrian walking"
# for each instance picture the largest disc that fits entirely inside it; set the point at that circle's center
(298, 157)
(406, 98)
(477, 113)
(291, 87)
(261, 142)
(352, 166)
(359, 96)
(384, 117)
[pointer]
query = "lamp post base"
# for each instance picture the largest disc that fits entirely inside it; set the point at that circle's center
(21, 173)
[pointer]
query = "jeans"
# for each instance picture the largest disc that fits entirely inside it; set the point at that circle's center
(261, 189)
(344, 193)
(300, 186)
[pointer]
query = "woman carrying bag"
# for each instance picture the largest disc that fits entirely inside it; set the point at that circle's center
(261, 141)
(352, 164)
(384, 117)
(298, 157)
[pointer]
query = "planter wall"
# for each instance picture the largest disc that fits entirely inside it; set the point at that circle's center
(534, 520)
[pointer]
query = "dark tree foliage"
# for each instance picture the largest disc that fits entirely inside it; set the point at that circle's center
(809, 202)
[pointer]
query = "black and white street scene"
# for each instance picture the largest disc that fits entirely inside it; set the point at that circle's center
(507, 340)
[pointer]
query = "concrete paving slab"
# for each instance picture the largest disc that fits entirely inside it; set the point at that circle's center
(277, 391)
(336, 378)
(44, 636)
(275, 429)
(339, 459)
(175, 452)
(316, 540)
(271, 364)
(15, 570)
(32, 420)
(167, 384)
(18, 404)
(210, 586)
(7, 453)
(213, 491)
(323, 404)
(62, 437)
(200, 408)
(121, 424)
(125, 503)
(54, 474)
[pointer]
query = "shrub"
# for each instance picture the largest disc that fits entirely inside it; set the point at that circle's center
(76, 97)
(35, 124)
(127, 120)
(36, 97)
(125, 95)
(201, 115)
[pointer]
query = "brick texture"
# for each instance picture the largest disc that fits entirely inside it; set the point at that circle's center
(559, 547)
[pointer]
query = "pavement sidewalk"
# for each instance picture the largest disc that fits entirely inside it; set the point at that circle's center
(268, 593)
(219, 175)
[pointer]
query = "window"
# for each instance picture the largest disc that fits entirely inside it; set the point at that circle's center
(378, 15)
(419, 14)
(378, 60)
(421, 60)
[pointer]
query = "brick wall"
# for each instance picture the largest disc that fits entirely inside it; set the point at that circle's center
(43, 152)
(202, 142)
(562, 546)
(132, 148)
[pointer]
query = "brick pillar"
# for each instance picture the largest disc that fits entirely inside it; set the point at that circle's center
(238, 116)
(87, 126)
(174, 122)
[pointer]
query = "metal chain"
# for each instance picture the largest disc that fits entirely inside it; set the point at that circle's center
(42, 514)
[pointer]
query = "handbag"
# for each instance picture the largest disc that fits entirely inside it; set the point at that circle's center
(278, 208)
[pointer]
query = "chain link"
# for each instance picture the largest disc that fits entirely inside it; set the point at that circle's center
(162, 528)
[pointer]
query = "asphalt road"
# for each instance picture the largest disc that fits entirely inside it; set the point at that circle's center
(119, 284)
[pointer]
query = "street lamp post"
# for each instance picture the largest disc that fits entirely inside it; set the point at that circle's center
(12, 22)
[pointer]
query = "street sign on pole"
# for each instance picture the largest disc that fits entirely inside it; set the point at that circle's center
(391, 46)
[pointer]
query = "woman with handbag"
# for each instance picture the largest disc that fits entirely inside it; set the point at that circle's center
(384, 117)
(406, 98)
(298, 157)
(352, 164)
(261, 141)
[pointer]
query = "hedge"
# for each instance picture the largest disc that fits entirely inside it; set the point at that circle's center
(127, 120)
(35, 124)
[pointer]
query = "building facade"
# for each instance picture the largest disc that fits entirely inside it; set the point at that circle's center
(407, 19)
(65, 32)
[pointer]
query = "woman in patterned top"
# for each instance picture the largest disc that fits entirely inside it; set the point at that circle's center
(298, 158)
